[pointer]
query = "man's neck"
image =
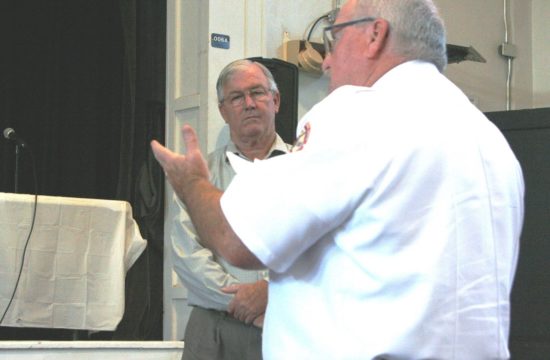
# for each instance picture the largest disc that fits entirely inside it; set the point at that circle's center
(257, 148)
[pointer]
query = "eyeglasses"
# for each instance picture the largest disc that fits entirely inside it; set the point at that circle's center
(329, 33)
(237, 99)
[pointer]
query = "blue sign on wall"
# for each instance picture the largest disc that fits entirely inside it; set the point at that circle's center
(219, 41)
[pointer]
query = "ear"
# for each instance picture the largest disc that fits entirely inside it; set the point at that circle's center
(276, 101)
(377, 37)
(223, 112)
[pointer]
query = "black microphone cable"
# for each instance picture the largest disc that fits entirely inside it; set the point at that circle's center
(330, 17)
(314, 25)
(29, 234)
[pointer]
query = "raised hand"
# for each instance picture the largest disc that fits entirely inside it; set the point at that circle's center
(182, 169)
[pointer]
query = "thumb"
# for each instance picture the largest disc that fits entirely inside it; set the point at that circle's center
(161, 153)
(230, 289)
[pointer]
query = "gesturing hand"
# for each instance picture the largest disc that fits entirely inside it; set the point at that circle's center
(182, 170)
(188, 175)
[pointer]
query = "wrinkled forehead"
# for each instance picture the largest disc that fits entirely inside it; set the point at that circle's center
(245, 77)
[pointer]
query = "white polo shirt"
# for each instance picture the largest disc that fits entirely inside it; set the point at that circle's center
(394, 231)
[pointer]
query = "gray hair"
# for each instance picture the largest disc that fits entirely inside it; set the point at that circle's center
(240, 65)
(417, 28)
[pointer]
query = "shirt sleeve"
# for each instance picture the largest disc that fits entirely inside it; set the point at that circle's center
(195, 265)
(279, 216)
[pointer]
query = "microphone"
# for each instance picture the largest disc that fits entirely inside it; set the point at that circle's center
(10, 134)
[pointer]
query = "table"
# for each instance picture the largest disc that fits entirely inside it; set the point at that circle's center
(75, 264)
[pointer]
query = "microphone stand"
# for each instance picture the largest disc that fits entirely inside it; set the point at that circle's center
(17, 153)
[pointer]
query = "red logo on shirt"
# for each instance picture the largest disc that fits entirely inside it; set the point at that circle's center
(302, 139)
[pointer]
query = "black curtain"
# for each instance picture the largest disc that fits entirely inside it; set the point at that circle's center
(83, 82)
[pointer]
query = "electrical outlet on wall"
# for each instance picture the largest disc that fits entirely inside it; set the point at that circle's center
(508, 50)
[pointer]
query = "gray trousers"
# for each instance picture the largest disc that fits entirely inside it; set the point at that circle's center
(214, 335)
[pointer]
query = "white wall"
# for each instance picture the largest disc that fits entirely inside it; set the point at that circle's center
(481, 24)
(469, 22)
(541, 53)
(295, 17)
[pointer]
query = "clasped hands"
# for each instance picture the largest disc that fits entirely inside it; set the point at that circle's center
(249, 302)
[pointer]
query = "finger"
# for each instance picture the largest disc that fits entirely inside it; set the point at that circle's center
(249, 319)
(190, 138)
(259, 321)
(230, 289)
(161, 153)
(231, 308)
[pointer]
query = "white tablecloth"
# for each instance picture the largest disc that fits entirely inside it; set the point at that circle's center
(76, 262)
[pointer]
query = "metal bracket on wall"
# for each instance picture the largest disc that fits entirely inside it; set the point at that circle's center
(457, 53)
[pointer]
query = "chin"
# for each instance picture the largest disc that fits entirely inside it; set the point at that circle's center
(252, 131)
